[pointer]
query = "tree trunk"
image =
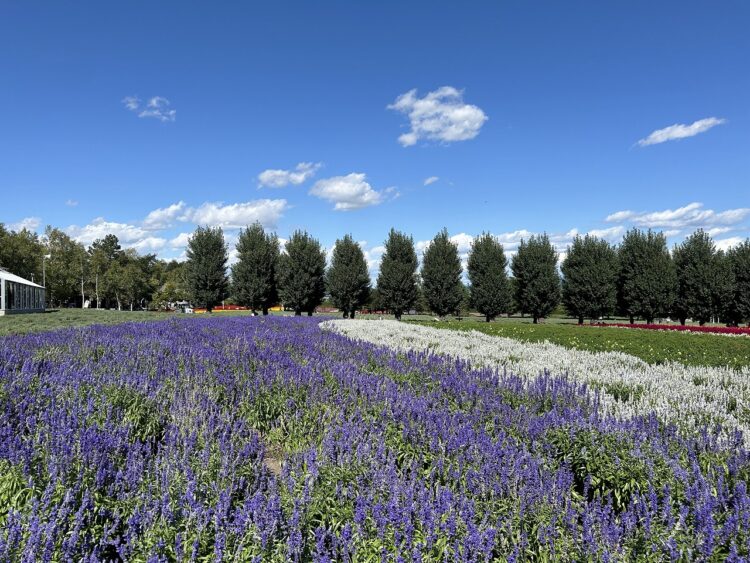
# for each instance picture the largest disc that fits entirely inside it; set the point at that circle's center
(487, 318)
(131, 306)
(649, 321)
(632, 320)
(351, 315)
(309, 313)
(96, 289)
(346, 314)
(682, 321)
(83, 295)
(265, 311)
(536, 319)
(701, 323)
(580, 319)
(297, 312)
(397, 315)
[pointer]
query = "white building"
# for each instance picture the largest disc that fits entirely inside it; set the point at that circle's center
(18, 295)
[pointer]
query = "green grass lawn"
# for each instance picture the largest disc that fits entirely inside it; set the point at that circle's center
(655, 347)
(63, 318)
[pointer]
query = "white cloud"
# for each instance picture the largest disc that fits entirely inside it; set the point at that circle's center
(157, 107)
(131, 102)
(71, 203)
(440, 115)
(727, 243)
(273, 178)
(28, 223)
(430, 180)
(165, 216)
(148, 244)
(691, 215)
(99, 228)
(680, 131)
(180, 241)
(611, 234)
(237, 215)
(348, 192)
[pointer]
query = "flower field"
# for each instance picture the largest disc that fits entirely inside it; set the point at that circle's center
(729, 330)
(270, 439)
(689, 397)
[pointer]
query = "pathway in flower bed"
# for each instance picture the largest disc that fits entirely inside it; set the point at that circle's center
(689, 396)
(162, 441)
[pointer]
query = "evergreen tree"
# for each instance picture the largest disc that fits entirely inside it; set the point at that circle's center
(490, 287)
(739, 259)
(537, 282)
(698, 286)
(397, 280)
(347, 279)
(441, 275)
(254, 274)
(723, 283)
(589, 286)
(302, 273)
(206, 267)
(647, 282)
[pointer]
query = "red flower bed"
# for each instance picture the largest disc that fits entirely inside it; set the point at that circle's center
(684, 328)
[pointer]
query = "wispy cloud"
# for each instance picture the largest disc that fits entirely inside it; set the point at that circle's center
(156, 107)
(71, 203)
(691, 215)
(276, 178)
(430, 180)
(349, 192)
(680, 131)
(440, 115)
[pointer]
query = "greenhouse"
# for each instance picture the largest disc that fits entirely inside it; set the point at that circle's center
(18, 295)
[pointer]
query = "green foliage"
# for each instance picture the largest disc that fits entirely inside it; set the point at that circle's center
(15, 491)
(348, 279)
(254, 274)
(739, 259)
(302, 273)
(397, 281)
(66, 269)
(441, 275)
(490, 288)
(206, 267)
(537, 283)
(705, 279)
(647, 280)
(21, 253)
(589, 287)
(652, 346)
(610, 465)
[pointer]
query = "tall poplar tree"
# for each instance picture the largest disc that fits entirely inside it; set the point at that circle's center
(537, 282)
(441, 275)
(206, 267)
(397, 280)
(589, 285)
(647, 282)
(348, 279)
(302, 273)
(490, 287)
(254, 274)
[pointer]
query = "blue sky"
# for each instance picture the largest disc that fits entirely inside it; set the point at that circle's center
(149, 118)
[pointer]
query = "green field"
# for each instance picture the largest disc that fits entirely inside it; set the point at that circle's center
(64, 318)
(655, 347)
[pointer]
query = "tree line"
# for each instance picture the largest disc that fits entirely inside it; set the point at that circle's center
(638, 278)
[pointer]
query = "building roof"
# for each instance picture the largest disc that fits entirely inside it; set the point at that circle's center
(6, 275)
